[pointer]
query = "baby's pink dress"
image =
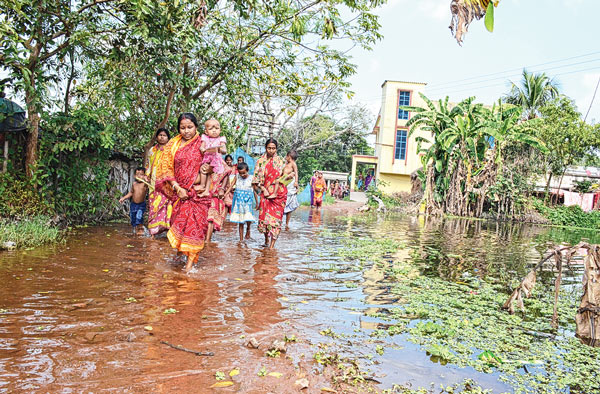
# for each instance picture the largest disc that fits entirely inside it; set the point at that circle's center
(213, 159)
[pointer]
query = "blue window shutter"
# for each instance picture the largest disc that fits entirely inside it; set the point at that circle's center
(403, 99)
(400, 148)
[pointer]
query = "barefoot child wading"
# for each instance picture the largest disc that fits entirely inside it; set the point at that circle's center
(137, 206)
(212, 146)
(243, 200)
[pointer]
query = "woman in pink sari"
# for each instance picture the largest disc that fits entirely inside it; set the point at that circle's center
(175, 178)
(267, 171)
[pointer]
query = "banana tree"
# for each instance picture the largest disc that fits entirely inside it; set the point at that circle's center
(464, 11)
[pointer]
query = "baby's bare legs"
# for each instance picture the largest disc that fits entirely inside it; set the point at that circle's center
(205, 171)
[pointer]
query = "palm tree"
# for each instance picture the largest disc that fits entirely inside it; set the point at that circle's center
(534, 92)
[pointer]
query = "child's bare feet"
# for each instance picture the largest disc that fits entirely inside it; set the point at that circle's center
(247, 235)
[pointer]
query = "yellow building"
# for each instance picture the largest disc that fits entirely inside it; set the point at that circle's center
(395, 151)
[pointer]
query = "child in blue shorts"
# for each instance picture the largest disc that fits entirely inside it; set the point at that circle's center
(137, 205)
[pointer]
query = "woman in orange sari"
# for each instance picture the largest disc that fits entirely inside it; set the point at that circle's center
(175, 178)
(267, 171)
(320, 188)
(159, 213)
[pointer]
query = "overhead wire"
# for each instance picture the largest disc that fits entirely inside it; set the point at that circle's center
(515, 69)
(508, 76)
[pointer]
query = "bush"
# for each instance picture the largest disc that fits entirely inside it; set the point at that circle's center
(569, 216)
(19, 198)
(34, 231)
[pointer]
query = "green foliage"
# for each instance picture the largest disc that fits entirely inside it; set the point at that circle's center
(334, 154)
(568, 138)
(572, 216)
(582, 186)
(74, 167)
(19, 198)
(31, 232)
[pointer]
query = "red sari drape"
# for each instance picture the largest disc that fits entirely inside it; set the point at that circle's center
(218, 209)
(266, 172)
(181, 163)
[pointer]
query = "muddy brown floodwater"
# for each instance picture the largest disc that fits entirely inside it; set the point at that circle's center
(75, 317)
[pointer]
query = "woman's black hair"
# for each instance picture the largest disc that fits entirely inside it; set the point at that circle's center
(163, 130)
(189, 116)
(229, 156)
(271, 141)
(242, 166)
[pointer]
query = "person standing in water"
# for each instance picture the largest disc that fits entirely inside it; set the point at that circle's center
(137, 205)
(267, 172)
(290, 173)
(243, 200)
(159, 211)
(175, 177)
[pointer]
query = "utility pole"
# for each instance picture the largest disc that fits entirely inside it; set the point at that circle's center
(260, 125)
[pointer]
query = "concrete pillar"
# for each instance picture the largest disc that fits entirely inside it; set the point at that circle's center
(353, 175)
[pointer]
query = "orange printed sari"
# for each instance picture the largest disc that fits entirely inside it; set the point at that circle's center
(159, 212)
(320, 187)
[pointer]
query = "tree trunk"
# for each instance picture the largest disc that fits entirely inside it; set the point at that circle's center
(33, 127)
(548, 186)
(559, 185)
(69, 81)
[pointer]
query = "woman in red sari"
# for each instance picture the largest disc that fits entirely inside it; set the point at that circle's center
(175, 177)
(267, 171)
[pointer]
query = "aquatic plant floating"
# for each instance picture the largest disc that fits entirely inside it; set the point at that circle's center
(587, 318)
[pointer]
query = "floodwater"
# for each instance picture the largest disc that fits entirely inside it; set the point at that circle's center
(76, 317)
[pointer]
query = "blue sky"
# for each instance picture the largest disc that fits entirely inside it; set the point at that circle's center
(418, 46)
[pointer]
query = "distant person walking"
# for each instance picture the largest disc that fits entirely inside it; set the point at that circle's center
(312, 188)
(368, 179)
(320, 189)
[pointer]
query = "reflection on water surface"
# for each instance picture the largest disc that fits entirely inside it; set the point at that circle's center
(73, 316)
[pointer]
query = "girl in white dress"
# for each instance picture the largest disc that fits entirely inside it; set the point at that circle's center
(244, 197)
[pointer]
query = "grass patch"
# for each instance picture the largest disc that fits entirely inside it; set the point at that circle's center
(30, 232)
